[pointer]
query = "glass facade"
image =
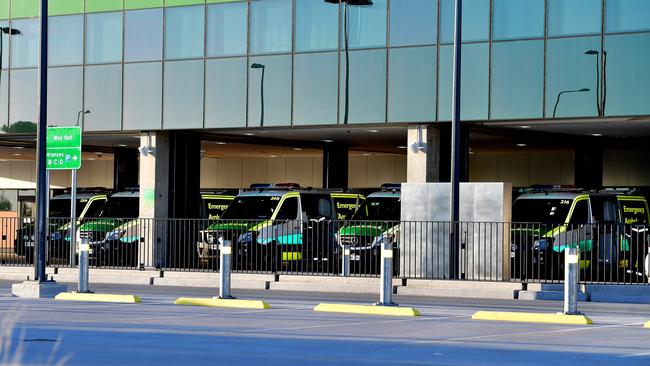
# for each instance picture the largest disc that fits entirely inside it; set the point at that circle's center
(140, 65)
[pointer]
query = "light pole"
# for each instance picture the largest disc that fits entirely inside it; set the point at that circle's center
(346, 48)
(263, 67)
(41, 136)
(598, 87)
(9, 32)
(564, 92)
(73, 203)
(454, 242)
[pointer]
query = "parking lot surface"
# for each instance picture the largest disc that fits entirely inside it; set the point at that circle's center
(156, 332)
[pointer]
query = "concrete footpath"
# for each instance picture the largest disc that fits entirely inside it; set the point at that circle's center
(631, 294)
(156, 332)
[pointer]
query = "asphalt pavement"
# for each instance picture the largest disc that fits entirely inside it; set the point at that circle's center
(156, 332)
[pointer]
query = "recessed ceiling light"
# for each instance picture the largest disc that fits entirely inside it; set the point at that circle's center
(92, 159)
(273, 156)
(121, 145)
(366, 154)
(202, 151)
(521, 145)
(525, 126)
(249, 134)
(327, 140)
(373, 131)
(220, 143)
(596, 134)
(401, 147)
(16, 154)
(18, 147)
(297, 149)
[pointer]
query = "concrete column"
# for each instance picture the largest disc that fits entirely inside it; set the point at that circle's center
(335, 166)
(588, 165)
(125, 169)
(169, 189)
(429, 153)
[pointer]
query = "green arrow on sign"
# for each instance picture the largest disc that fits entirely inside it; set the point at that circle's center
(63, 148)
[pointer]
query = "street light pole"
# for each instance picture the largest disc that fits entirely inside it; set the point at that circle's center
(454, 242)
(263, 67)
(346, 97)
(597, 54)
(566, 91)
(41, 136)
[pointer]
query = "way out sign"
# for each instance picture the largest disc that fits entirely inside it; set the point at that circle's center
(63, 148)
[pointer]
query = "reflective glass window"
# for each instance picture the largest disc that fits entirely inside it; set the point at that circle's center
(317, 25)
(23, 98)
(570, 17)
(315, 88)
(517, 79)
(183, 100)
(366, 94)
(24, 47)
(413, 22)
(269, 91)
(103, 97)
(143, 35)
(627, 90)
(412, 84)
(64, 93)
(518, 19)
(474, 82)
(270, 26)
(5, 45)
(227, 29)
(103, 37)
(66, 40)
(4, 101)
(570, 70)
(142, 96)
(476, 20)
(627, 15)
(366, 25)
(225, 92)
(184, 32)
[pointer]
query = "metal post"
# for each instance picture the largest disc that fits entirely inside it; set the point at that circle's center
(225, 257)
(84, 247)
(571, 281)
(455, 147)
(73, 219)
(345, 265)
(41, 136)
(386, 291)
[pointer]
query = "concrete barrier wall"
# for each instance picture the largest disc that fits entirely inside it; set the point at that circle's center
(485, 210)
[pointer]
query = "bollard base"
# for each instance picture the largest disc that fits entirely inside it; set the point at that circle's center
(37, 290)
(93, 297)
(224, 297)
(223, 303)
(386, 304)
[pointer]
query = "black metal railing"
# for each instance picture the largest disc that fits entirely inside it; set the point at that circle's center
(486, 251)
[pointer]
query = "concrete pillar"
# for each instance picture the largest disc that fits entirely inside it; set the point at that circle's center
(125, 169)
(169, 189)
(335, 166)
(429, 153)
(588, 165)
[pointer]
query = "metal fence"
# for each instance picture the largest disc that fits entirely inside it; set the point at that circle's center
(487, 251)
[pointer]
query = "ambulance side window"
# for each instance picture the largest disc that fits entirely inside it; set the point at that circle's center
(289, 209)
(580, 213)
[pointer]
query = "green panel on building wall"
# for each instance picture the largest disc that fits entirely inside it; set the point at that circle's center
(103, 5)
(4, 9)
(142, 4)
(61, 7)
(24, 8)
(183, 2)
